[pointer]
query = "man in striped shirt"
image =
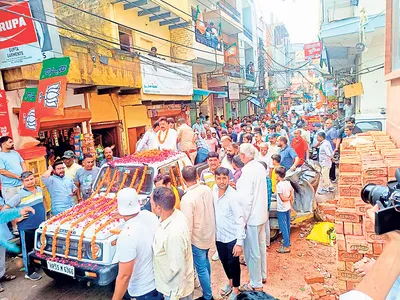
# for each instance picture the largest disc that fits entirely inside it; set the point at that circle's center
(230, 232)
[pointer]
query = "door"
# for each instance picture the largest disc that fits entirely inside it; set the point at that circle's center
(134, 135)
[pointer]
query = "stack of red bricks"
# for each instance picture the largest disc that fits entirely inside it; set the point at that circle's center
(367, 159)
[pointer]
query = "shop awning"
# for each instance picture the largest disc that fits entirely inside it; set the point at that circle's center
(255, 101)
(72, 115)
(199, 93)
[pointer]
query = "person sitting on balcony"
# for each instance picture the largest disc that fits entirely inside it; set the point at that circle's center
(153, 52)
(250, 69)
(212, 35)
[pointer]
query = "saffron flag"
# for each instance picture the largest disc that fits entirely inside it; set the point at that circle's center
(28, 124)
(5, 124)
(200, 26)
(51, 97)
(52, 87)
(231, 50)
(322, 98)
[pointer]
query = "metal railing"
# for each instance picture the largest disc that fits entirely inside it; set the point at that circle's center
(248, 33)
(230, 10)
(234, 71)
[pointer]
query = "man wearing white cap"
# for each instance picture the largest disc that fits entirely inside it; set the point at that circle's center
(134, 249)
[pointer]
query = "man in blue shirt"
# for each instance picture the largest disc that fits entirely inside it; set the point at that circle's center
(108, 156)
(11, 167)
(29, 195)
(61, 188)
(85, 177)
(198, 126)
(289, 158)
(331, 137)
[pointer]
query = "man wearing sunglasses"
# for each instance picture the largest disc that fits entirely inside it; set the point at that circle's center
(30, 195)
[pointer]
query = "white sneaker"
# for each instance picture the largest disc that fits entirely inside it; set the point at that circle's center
(215, 257)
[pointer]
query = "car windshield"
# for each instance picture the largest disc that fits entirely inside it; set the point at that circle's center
(113, 176)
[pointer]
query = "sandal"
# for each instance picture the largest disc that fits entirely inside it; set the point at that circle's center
(226, 290)
(246, 288)
(283, 250)
(1, 288)
(7, 277)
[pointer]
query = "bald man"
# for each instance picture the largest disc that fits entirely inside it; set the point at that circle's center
(108, 156)
(300, 145)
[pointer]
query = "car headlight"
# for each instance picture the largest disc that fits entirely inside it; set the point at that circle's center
(98, 251)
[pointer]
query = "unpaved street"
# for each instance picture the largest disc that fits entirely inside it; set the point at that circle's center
(285, 275)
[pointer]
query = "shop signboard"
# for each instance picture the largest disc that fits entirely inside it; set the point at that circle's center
(160, 77)
(18, 40)
(30, 39)
(233, 91)
(5, 125)
(312, 50)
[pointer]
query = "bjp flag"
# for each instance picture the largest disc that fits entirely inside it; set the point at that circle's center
(322, 98)
(28, 124)
(51, 97)
(200, 25)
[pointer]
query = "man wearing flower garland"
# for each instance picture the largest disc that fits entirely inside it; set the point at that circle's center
(166, 138)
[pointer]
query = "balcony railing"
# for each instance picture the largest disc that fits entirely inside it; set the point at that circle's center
(250, 76)
(234, 71)
(248, 33)
(209, 38)
(230, 10)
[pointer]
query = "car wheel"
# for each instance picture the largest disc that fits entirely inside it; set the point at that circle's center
(274, 234)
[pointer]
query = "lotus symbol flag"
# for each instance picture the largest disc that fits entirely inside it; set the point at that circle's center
(52, 94)
(30, 120)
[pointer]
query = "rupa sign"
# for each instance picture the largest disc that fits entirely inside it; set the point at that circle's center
(25, 34)
(18, 40)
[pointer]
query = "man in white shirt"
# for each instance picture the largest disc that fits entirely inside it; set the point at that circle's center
(166, 138)
(306, 134)
(252, 188)
(272, 145)
(148, 142)
(230, 229)
(263, 156)
(348, 109)
(173, 258)
(134, 249)
(280, 131)
(197, 206)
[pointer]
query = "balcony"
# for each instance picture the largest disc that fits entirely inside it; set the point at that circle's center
(234, 71)
(228, 16)
(248, 33)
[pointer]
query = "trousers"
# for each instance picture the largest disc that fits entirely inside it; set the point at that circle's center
(230, 263)
(27, 244)
(284, 226)
(203, 268)
(255, 253)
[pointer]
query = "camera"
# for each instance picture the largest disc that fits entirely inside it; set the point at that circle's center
(388, 199)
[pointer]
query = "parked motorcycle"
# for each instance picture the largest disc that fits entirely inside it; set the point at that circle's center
(307, 177)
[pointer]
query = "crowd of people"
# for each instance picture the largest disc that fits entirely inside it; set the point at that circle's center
(227, 207)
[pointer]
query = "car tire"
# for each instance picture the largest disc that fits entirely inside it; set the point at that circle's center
(274, 234)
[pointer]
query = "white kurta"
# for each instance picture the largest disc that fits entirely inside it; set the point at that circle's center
(170, 139)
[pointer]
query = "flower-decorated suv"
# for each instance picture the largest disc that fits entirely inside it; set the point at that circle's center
(81, 242)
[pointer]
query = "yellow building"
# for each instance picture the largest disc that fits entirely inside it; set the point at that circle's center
(112, 74)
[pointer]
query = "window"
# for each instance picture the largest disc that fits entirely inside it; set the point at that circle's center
(396, 35)
(125, 39)
(370, 126)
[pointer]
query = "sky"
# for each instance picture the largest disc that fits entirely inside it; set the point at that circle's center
(301, 17)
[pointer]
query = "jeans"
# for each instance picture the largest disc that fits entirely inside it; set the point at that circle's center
(201, 156)
(27, 244)
(255, 253)
(190, 297)
(153, 295)
(332, 172)
(203, 268)
(284, 226)
(230, 263)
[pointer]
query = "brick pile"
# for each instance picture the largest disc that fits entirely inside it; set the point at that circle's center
(374, 159)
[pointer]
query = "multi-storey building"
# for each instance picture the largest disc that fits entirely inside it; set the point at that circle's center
(353, 35)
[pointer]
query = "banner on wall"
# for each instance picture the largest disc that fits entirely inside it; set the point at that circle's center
(5, 124)
(52, 87)
(312, 50)
(29, 124)
(160, 77)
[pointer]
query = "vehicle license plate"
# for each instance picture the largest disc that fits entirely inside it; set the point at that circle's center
(61, 268)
